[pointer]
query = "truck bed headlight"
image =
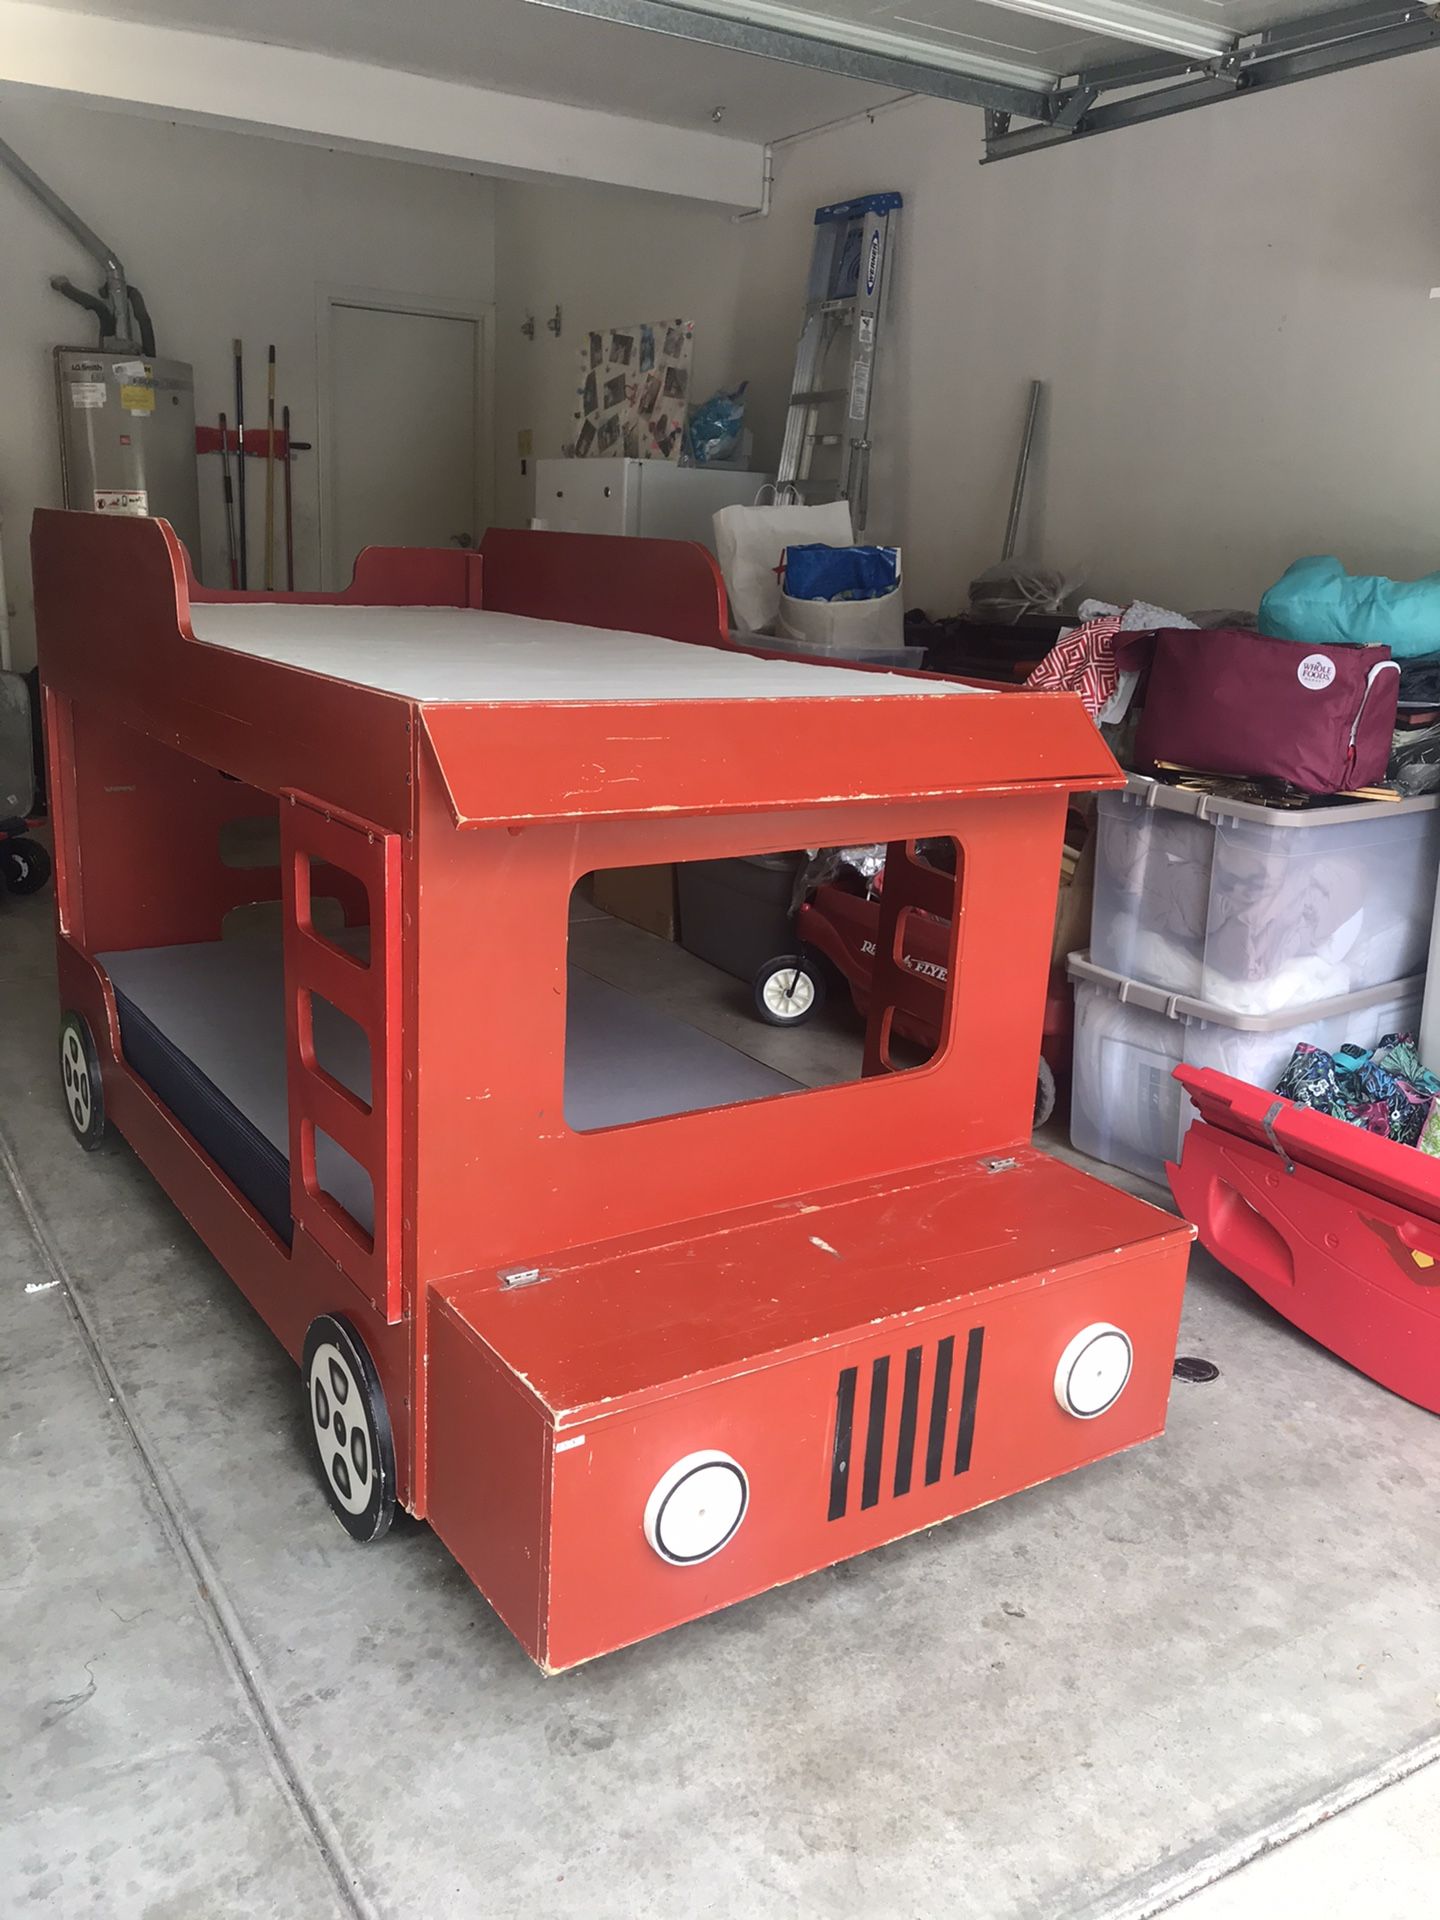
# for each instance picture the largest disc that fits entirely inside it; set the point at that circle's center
(696, 1507)
(1093, 1370)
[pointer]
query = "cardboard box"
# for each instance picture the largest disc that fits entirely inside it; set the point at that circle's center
(645, 896)
(1072, 910)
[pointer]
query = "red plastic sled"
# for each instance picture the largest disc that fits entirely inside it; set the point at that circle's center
(1338, 1229)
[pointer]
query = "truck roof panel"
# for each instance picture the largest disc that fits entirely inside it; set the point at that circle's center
(476, 657)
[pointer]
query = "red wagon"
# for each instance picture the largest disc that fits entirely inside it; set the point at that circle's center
(838, 931)
(24, 863)
(640, 1327)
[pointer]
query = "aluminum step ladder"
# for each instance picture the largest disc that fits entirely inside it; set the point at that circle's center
(825, 454)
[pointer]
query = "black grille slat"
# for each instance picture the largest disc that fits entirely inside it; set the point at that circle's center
(844, 1434)
(909, 1415)
(939, 1409)
(937, 1426)
(875, 1430)
(969, 1400)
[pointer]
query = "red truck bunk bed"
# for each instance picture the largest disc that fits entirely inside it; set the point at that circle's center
(631, 1363)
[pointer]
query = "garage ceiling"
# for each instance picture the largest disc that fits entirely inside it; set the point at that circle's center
(1046, 71)
(515, 48)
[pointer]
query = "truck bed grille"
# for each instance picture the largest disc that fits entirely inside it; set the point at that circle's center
(943, 1440)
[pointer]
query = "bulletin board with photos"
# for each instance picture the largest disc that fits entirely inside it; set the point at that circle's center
(634, 391)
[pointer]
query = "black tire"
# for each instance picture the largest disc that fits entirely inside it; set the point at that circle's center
(25, 865)
(349, 1427)
(791, 979)
(1044, 1093)
(80, 1082)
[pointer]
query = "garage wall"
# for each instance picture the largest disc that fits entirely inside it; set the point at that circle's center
(227, 235)
(1231, 308)
(607, 256)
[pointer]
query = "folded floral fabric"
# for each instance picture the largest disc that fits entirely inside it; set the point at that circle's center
(1385, 1088)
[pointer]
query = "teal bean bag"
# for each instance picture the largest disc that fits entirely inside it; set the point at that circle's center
(1321, 605)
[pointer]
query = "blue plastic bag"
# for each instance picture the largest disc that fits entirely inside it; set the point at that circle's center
(716, 425)
(841, 573)
(1317, 603)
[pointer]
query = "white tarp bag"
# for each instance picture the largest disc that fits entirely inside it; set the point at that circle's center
(17, 747)
(844, 626)
(750, 545)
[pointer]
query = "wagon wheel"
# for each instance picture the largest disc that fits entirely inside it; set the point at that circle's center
(349, 1427)
(24, 865)
(81, 1083)
(1044, 1093)
(789, 990)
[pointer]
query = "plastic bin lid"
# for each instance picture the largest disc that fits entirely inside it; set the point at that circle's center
(1142, 790)
(1181, 1006)
(827, 650)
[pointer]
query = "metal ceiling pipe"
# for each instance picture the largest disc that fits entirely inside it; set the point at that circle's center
(117, 291)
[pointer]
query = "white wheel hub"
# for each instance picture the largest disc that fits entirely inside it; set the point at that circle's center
(695, 1508)
(75, 1072)
(342, 1428)
(789, 992)
(1093, 1370)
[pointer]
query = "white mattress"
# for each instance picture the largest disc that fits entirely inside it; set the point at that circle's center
(469, 655)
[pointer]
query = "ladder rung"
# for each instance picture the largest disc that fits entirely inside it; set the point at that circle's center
(817, 396)
(846, 305)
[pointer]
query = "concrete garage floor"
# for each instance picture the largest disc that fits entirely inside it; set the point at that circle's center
(1092, 1699)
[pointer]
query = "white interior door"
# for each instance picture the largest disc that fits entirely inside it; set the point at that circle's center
(404, 443)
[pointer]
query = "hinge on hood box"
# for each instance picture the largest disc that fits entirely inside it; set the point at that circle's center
(520, 1276)
(1269, 1125)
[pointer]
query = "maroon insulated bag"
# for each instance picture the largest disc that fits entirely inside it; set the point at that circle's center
(1231, 701)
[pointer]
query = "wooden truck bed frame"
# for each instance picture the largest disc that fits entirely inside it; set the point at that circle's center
(634, 1373)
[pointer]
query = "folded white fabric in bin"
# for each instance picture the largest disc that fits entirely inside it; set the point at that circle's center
(844, 626)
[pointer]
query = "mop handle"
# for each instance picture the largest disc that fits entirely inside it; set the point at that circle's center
(228, 491)
(240, 469)
(270, 478)
(289, 508)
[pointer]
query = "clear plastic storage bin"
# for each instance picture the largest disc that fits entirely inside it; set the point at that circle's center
(1259, 909)
(1126, 1108)
(896, 658)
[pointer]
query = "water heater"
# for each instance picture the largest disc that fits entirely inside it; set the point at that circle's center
(127, 436)
(127, 417)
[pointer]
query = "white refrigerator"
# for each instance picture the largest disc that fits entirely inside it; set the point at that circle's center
(651, 499)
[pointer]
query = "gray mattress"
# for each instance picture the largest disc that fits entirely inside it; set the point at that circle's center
(220, 1004)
